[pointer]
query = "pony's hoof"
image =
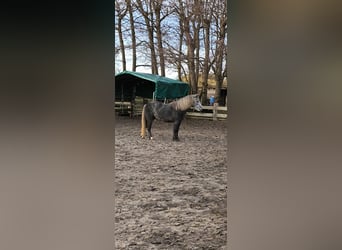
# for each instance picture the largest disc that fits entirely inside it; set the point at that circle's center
(175, 139)
(151, 138)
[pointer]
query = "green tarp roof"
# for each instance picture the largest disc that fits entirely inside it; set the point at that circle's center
(144, 84)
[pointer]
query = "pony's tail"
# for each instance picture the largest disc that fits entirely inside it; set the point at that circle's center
(143, 122)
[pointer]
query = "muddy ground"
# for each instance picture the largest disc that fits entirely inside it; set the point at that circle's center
(171, 195)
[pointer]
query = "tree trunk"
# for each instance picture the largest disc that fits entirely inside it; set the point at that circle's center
(121, 12)
(148, 17)
(180, 54)
(191, 64)
(185, 21)
(219, 55)
(157, 9)
(190, 57)
(151, 25)
(134, 43)
(205, 74)
(122, 45)
(196, 27)
(179, 59)
(154, 65)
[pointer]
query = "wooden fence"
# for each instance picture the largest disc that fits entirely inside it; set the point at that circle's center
(129, 108)
(214, 112)
(123, 108)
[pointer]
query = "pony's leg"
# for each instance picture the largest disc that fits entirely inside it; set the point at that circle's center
(175, 130)
(149, 127)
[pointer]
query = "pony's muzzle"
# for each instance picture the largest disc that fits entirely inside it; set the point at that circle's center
(198, 107)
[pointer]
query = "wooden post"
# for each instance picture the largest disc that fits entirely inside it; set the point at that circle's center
(132, 109)
(215, 111)
(227, 99)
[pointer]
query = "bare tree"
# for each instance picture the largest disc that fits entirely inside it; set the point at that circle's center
(121, 12)
(157, 5)
(206, 20)
(187, 17)
(220, 18)
(180, 53)
(187, 35)
(145, 8)
(174, 42)
(132, 28)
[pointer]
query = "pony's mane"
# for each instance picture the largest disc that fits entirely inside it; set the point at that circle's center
(184, 103)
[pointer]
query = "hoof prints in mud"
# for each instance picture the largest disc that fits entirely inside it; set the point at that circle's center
(171, 195)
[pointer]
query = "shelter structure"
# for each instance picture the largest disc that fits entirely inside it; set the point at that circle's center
(129, 84)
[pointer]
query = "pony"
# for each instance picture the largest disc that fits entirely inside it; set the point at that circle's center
(172, 112)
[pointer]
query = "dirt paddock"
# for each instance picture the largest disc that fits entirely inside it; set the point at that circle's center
(171, 195)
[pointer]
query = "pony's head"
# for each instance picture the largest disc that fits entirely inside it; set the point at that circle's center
(188, 101)
(196, 102)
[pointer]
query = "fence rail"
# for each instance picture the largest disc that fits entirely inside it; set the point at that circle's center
(214, 112)
(123, 108)
(129, 108)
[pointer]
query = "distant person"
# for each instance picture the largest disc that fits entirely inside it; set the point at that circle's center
(211, 100)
